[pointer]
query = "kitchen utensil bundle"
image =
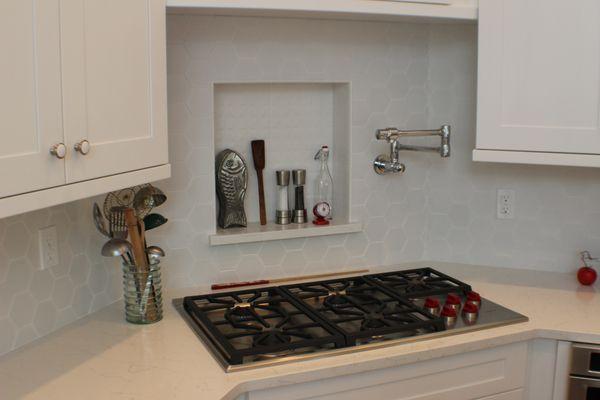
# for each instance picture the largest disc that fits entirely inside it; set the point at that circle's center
(120, 198)
(99, 221)
(154, 253)
(146, 199)
(128, 211)
(152, 221)
(117, 247)
(118, 228)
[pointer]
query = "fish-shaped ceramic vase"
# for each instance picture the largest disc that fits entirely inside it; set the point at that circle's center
(232, 182)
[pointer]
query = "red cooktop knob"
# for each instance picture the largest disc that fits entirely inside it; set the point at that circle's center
(473, 296)
(453, 299)
(470, 308)
(431, 302)
(448, 312)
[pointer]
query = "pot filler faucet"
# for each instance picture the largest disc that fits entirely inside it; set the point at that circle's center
(389, 164)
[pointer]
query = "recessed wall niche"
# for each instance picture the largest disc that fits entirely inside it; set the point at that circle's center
(295, 120)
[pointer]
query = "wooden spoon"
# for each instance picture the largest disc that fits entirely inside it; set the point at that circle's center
(139, 251)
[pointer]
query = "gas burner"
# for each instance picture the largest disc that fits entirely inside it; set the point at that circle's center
(241, 311)
(373, 321)
(351, 304)
(244, 309)
(420, 282)
(417, 282)
(362, 309)
(271, 337)
(424, 281)
(241, 308)
(258, 324)
(336, 298)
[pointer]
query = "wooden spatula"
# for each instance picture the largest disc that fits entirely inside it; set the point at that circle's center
(258, 154)
(136, 239)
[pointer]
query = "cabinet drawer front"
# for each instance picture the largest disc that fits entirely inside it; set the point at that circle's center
(30, 99)
(466, 376)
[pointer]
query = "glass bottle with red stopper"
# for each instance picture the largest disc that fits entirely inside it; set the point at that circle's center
(324, 190)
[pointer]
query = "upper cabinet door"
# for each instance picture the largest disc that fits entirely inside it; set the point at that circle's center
(539, 76)
(114, 85)
(30, 102)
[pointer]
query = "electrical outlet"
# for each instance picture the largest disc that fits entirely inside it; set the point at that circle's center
(48, 242)
(505, 205)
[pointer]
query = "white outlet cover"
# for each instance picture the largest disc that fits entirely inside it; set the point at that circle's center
(505, 204)
(48, 245)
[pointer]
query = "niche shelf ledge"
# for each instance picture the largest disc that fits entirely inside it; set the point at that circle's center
(258, 233)
(414, 11)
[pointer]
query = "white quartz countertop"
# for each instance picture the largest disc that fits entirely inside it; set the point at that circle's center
(103, 357)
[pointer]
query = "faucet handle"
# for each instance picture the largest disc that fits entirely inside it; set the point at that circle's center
(387, 134)
(445, 145)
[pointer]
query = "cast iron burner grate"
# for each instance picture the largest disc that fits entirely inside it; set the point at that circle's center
(363, 311)
(254, 324)
(420, 282)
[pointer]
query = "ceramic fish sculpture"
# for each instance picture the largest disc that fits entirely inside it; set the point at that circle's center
(232, 182)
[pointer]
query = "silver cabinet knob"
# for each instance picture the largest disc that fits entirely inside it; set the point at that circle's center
(83, 147)
(59, 150)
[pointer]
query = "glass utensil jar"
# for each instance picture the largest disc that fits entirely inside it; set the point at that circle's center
(142, 293)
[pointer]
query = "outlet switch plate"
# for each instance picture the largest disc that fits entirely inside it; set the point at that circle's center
(505, 205)
(48, 242)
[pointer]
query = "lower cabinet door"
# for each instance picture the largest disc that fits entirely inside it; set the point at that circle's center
(492, 374)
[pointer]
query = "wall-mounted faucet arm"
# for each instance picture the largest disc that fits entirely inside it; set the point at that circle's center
(385, 164)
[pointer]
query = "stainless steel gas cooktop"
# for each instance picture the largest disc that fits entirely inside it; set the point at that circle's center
(265, 326)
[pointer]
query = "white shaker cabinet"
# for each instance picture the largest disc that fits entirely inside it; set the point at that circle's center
(491, 374)
(114, 71)
(87, 78)
(538, 82)
(30, 96)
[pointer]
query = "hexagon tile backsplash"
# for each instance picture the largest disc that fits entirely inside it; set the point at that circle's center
(404, 75)
(34, 302)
